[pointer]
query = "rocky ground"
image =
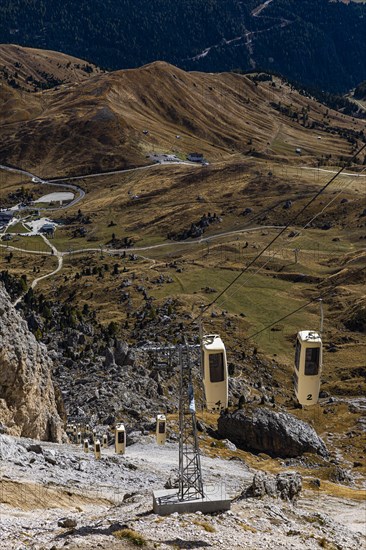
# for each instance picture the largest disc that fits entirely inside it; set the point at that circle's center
(55, 495)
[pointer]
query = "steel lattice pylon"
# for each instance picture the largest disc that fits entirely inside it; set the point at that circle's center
(190, 474)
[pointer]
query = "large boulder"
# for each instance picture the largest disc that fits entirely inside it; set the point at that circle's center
(274, 433)
(28, 405)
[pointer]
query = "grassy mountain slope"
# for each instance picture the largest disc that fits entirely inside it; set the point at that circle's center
(33, 69)
(99, 124)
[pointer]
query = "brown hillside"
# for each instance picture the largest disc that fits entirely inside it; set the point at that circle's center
(98, 124)
(16, 106)
(33, 70)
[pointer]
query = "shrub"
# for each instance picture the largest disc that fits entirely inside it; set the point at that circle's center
(131, 535)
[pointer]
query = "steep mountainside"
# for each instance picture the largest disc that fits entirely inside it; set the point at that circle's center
(27, 397)
(316, 42)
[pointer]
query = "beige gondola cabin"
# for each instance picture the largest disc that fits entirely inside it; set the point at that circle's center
(86, 445)
(120, 439)
(97, 450)
(214, 372)
(161, 429)
(105, 441)
(308, 367)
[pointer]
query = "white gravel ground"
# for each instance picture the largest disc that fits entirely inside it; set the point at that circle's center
(116, 492)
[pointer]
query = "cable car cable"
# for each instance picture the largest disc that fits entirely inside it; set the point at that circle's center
(333, 199)
(317, 298)
(251, 275)
(291, 222)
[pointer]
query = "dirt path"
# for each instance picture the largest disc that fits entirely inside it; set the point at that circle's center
(35, 282)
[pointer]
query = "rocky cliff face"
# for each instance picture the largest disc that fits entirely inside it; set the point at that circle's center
(27, 396)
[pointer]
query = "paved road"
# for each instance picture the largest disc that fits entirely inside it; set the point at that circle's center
(59, 183)
(176, 243)
(112, 172)
(130, 250)
(37, 179)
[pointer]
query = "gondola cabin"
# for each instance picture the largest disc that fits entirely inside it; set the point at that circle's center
(308, 367)
(214, 372)
(97, 450)
(120, 439)
(161, 429)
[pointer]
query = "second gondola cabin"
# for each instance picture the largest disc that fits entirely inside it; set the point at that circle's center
(120, 439)
(214, 372)
(308, 367)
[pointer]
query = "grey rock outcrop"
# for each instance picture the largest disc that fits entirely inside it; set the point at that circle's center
(277, 434)
(27, 397)
(286, 485)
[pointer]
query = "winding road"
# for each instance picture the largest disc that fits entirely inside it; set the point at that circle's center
(37, 179)
(59, 182)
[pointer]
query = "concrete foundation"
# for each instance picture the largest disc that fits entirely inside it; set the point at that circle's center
(166, 502)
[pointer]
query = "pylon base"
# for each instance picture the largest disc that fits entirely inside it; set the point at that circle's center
(166, 501)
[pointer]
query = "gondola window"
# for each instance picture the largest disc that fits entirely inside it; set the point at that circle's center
(312, 361)
(216, 362)
(161, 427)
(297, 354)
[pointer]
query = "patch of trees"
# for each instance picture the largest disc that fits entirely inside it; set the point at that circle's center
(14, 286)
(49, 81)
(334, 101)
(196, 229)
(312, 41)
(260, 77)
(21, 195)
(124, 242)
(360, 91)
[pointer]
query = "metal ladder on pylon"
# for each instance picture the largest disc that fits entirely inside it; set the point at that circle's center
(190, 473)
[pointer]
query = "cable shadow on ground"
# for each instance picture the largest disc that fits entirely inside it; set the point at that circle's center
(90, 530)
